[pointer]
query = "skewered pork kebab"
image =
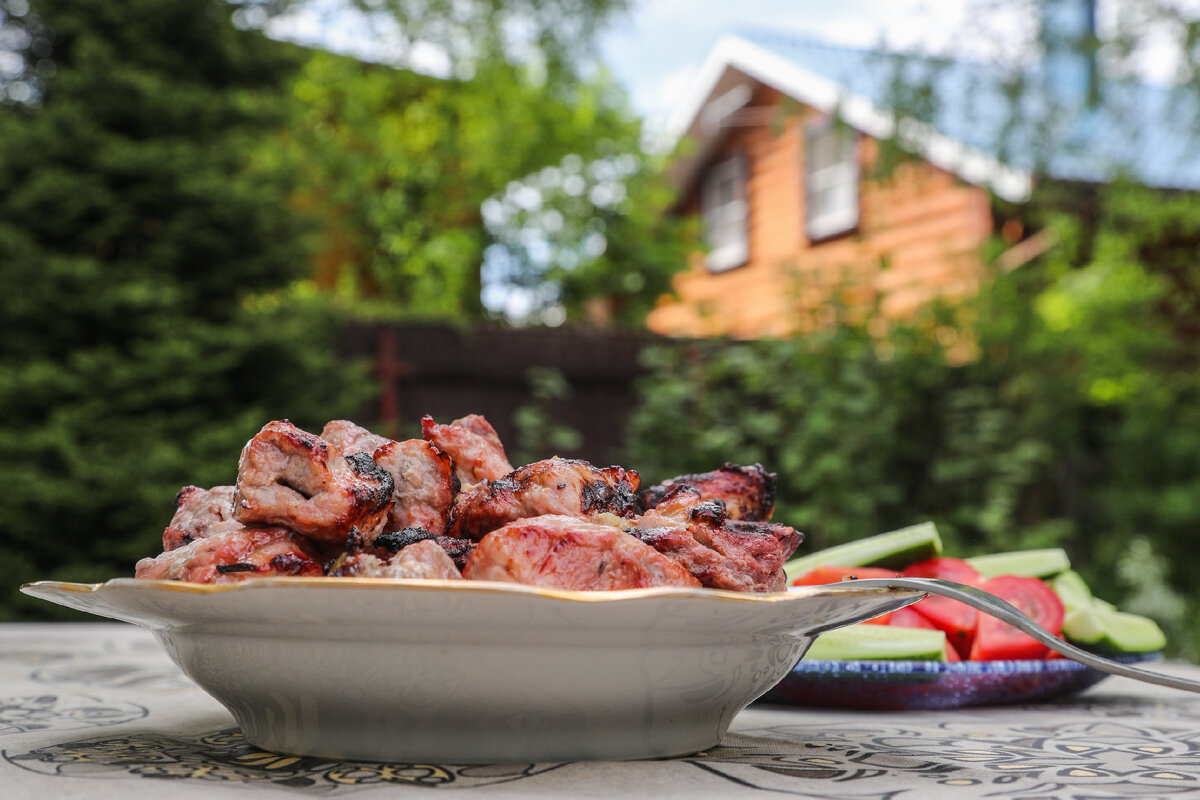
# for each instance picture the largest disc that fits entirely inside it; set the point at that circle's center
(350, 503)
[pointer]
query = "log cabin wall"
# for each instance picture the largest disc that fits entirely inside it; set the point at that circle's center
(918, 238)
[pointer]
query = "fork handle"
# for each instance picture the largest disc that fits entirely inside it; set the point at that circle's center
(994, 606)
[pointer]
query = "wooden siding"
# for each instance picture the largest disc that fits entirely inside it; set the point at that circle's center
(919, 237)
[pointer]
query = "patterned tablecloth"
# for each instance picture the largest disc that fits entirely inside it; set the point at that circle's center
(98, 711)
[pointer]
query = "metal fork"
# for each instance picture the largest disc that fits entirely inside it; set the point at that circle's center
(994, 606)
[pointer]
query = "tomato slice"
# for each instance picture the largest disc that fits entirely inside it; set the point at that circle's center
(999, 641)
(909, 617)
(956, 619)
(948, 569)
(832, 574)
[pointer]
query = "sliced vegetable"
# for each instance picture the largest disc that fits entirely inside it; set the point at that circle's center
(879, 642)
(1113, 632)
(1097, 625)
(908, 617)
(834, 574)
(1072, 590)
(1062, 604)
(998, 641)
(825, 575)
(1026, 563)
(956, 619)
(893, 549)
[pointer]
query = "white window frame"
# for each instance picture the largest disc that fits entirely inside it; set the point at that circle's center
(823, 176)
(725, 211)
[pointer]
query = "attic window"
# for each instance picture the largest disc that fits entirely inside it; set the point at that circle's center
(723, 207)
(830, 179)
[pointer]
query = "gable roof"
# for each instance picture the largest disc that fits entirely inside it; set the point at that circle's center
(973, 129)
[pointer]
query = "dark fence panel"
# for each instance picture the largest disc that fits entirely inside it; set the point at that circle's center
(448, 371)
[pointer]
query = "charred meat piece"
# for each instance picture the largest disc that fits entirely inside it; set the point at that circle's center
(459, 550)
(737, 555)
(710, 568)
(425, 485)
(423, 559)
(570, 553)
(234, 556)
(424, 478)
(748, 492)
(554, 486)
(289, 477)
(352, 438)
(474, 446)
(200, 513)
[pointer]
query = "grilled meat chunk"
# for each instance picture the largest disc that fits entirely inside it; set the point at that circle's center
(474, 446)
(289, 477)
(738, 555)
(200, 513)
(563, 552)
(553, 486)
(459, 550)
(233, 556)
(425, 485)
(423, 559)
(748, 492)
(452, 501)
(352, 438)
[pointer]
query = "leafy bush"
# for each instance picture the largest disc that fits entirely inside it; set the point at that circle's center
(1074, 420)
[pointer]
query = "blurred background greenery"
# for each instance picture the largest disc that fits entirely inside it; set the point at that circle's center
(191, 213)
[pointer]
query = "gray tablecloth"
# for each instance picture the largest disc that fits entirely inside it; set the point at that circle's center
(99, 711)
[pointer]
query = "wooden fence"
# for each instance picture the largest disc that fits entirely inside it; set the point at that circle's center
(448, 371)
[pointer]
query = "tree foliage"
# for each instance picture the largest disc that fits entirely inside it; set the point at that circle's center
(142, 336)
(1075, 422)
(419, 185)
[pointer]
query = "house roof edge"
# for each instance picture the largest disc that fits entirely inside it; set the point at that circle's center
(733, 52)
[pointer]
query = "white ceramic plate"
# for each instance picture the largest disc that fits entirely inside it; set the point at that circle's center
(472, 671)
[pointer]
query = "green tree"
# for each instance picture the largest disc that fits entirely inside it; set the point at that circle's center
(419, 184)
(142, 334)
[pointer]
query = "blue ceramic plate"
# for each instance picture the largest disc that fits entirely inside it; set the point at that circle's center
(925, 685)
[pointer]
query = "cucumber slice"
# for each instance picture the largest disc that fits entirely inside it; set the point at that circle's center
(879, 642)
(1097, 625)
(1023, 563)
(896, 549)
(1072, 590)
(1112, 632)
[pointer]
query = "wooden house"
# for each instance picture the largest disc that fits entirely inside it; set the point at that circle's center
(783, 168)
